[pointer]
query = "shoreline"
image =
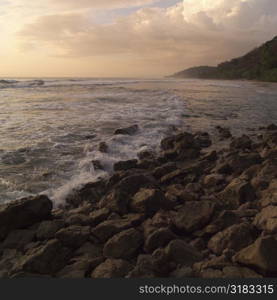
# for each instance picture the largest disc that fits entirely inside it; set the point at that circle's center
(199, 208)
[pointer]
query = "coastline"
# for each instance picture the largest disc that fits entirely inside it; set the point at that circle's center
(198, 208)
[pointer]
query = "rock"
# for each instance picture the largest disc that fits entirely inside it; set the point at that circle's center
(146, 155)
(237, 192)
(269, 196)
(173, 176)
(103, 147)
(183, 272)
(261, 255)
(182, 253)
(213, 180)
(224, 133)
(80, 268)
(112, 268)
(90, 192)
(22, 213)
(271, 127)
(124, 244)
(267, 219)
(144, 267)
(46, 259)
(211, 156)
(164, 169)
(89, 250)
(97, 165)
(47, 229)
(107, 229)
(235, 237)
(225, 219)
(127, 130)
(77, 219)
(73, 236)
(98, 216)
(117, 199)
(17, 239)
(241, 143)
(149, 201)
(239, 272)
(125, 165)
(202, 139)
(158, 239)
(193, 215)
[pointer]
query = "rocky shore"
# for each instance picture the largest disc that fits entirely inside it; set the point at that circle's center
(199, 208)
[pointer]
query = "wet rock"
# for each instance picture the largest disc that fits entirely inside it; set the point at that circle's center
(117, 200)
(203, 140)
(182, 253)
(146, 155)
(235, 237)
(193, 215)
(242, 143)
(149, 201)
(73, 236)
(267, 219)
(90, 192)
(271, 127)
(17, 239)
(127, 130)
(112, 268)
(211, 156)
(103, 147)
(124, 244)
(225, 219)
(237, 192)
(22, 213)
(261, 255)
(97, 165)
(223, 132)
(158, 239)
(47, 229)
(46, 259)
(125, 165)
(269, 196)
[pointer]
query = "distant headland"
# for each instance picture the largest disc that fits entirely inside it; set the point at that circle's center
(258, 64)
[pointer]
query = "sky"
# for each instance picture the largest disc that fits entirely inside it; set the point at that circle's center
(127, 38)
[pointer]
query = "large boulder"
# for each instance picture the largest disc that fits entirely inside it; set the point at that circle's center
(193, 215)
(158, 239)
(112, 268)
(22, 213)
(124, 244)
(237, 192)
(235, 238)
(47, 229)
(73, 236)
(182, 253)
(149, 201)
(45, 259)
(18, 239)
(267, 219)
(117, 199)
(261, 255)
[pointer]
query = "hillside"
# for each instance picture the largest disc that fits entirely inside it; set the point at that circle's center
(258, 64)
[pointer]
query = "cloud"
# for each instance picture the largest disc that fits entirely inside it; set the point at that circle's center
(158, 39)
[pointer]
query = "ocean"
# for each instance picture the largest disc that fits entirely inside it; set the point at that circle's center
(50, 128)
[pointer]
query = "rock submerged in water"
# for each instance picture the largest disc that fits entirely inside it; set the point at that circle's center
(192, 212)
(127, 130)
